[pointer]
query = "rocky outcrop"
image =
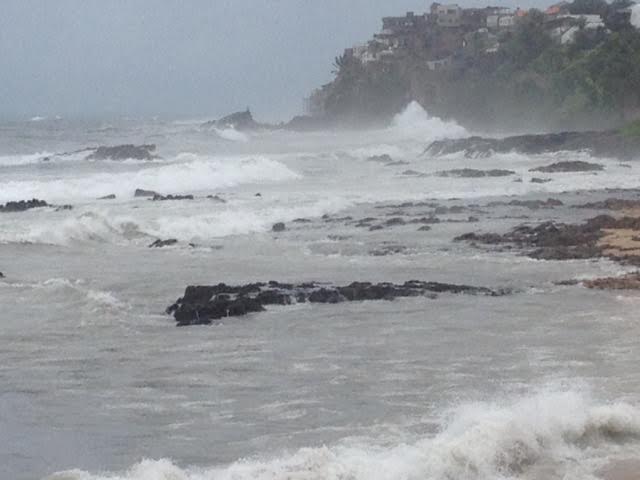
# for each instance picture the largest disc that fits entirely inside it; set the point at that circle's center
(610, 143)
(560, 241)
(161, 198)
(108, 197)
(144, 193)
(630, 281)
(569, 166)
(238, 121)
(23, 205)
(474, 173)
(124, 152)
(278, 227)
(163, 243)
(203, 305)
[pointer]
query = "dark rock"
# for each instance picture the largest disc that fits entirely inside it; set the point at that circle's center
(395, 221)
(391, 249)
(381, 159)
(373, 228)
(611, 143)
(1, 275)
(302, 220)
(306, 123)
(473, 173)
(558, 241)
(424, 228)
(61, 208)
(144, 193)
(540, 180)
(163, 243)
(414, 173)
(258, 194)
(23, 205)
(238, 120)
(161, 198)
(124, 152)
(217, 198)
(569, 166)
(278, 227)
(108, 197)
(612, 204)
(202, 305)
(530, 204)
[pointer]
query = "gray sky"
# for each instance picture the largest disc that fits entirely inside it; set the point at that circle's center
(177, 57)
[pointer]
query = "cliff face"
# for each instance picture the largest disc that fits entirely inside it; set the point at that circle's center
(541, 71)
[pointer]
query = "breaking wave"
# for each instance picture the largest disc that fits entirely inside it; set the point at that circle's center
(415, 122)
(26, 159)
(546, 435)
(635, 16)
(189, 173)
(232, 134)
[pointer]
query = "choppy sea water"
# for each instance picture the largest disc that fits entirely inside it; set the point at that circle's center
(96, 382)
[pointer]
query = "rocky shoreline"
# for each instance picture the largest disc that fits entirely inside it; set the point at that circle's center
(601, 144)
(204, 305)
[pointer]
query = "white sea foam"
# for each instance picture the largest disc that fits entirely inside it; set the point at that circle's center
(635, 15)
(188, 173)
(25, 159)
(563, 434)
(415, 122)
(232, 134)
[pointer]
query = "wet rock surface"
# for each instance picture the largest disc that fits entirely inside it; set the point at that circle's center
(609, 143)
(124, 152)
(161, 198)
(630, 281)
(23, 205)
(163, 243)
(569, 166)
(204, 305)
(560, 241)
(474, 173)
(140, 192)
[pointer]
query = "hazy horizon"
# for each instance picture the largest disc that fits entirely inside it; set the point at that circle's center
(75, 58)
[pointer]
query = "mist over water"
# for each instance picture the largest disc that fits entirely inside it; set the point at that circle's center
(97, 383)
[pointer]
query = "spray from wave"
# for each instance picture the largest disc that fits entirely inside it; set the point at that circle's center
(232, 135)
(635, 16)
(559, 435)
(189, 173)
(415, 122)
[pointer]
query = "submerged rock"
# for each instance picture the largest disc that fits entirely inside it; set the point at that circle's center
(569, 166)
(163, 243)
(108, 197)
(161, 198)
(23, 205)
(278, 227)
(610, 143)
(144, 193)
(124, 152)
(560, 241)
(630, 281)
(203, 305)
(237, 120)
(473, 173)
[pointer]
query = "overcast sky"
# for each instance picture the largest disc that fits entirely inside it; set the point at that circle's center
(182, 58)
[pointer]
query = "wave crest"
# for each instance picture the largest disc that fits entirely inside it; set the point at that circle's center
(562, 432)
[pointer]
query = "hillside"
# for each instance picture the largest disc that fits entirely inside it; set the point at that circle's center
(574, 66)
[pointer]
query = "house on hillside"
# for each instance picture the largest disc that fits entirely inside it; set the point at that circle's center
(563, 28)
(446, 15)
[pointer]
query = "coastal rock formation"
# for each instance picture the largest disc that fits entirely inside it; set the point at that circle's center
(124, 152)
(163, 243)
(601, 236)
(474, 173)
(144, 193)
(237, 120)
(108, 197)
(161, 198)
(610, 143)
(569, 166)
(630, 281)
(202, 305)
(23, 205)
(278, 227)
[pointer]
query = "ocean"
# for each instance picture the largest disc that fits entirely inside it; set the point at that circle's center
(96, 381)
